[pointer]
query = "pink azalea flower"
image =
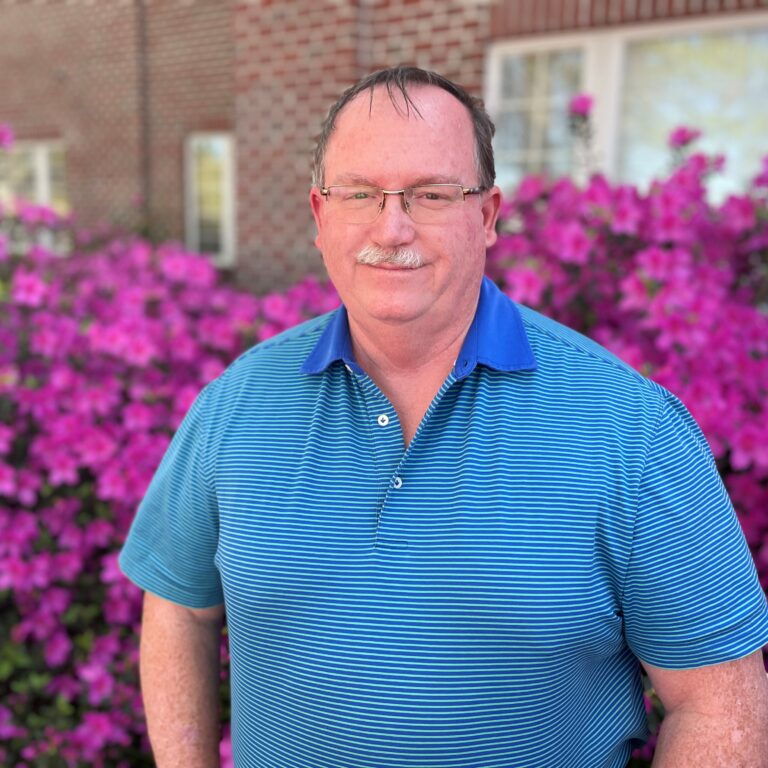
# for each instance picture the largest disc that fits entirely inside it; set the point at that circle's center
(664, 264)
(761, 180)
(739, 214)
(111, 485)
(7, 436)
(37, 215)
(98, 682)
(7, 728)
(225, 749)
(6, 136)
(7, 480)
(531, 188)
(65, 686)
(749, 447)
(278, 310)
(110, 570)
(626, 212)
(525, 285)
(569, 242)
(682, 136)
(95, 447)
(138, 417)
(27, 289)
(57, 649)
(581, 105)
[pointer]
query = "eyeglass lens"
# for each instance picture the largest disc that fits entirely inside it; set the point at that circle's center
(361, 205)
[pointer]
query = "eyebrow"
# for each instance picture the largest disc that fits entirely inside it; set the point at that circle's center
(353, 178)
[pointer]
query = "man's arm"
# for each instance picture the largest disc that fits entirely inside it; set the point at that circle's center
(716, 716)
(179, 664)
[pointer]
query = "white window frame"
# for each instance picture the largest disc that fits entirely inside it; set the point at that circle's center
(226, 257)
(603, 66)
(41, 164)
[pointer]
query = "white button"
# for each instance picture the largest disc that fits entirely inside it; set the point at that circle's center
(397, 484)
(348, 368)
(383, 420)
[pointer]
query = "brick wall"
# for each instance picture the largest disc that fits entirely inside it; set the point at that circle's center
(190, 75)
(516, 18)
(69, 73)
(124, 83)
(290, 61)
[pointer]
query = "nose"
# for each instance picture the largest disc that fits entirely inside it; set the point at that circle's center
(393, 226)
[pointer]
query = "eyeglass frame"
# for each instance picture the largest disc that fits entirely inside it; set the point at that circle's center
(325, 191)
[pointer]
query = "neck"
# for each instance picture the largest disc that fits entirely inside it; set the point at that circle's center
(425, 347)
(402, 351)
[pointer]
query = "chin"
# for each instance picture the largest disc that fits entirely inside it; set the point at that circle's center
(387, 310)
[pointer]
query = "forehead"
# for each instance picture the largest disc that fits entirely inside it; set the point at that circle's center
(376, 134)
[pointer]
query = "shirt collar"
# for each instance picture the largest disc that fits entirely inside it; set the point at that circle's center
(496, 339)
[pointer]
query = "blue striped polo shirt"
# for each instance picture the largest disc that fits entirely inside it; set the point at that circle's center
(480, 599)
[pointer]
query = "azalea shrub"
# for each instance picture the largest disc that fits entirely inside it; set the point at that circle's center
(101, 354)
(103, 350)
(673, 284)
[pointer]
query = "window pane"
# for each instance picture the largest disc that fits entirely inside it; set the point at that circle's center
(532, 134)
(22, 174)
(714, 82)
(557, 133)
(564, 76)
(513, 131)
(555, 164)
(517, 77)
(208, 171)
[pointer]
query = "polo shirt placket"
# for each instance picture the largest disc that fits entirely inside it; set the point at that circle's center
(386, 443)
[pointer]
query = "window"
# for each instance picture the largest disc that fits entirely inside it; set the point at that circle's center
(646, 80)
(34, 171)
(532, 113)
(210, 185)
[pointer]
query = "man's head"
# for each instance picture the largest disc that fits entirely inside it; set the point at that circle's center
(397, 81)
(403, 211)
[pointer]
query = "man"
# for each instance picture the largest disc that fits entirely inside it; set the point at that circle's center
(447, 531)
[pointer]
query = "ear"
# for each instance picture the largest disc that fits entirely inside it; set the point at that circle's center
(316, 203)
(490, 209)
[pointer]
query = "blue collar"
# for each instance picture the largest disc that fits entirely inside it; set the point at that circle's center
(495, 339)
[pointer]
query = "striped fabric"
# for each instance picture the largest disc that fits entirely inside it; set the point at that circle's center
(479, 600)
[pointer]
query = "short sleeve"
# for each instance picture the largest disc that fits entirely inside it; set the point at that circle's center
(691, 596)
(172, 542)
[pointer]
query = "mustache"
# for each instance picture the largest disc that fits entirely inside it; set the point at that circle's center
(372, 255)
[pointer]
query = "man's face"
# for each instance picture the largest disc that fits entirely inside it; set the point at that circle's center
(390, 149)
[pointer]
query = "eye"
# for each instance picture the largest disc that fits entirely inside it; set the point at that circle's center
(436, 195)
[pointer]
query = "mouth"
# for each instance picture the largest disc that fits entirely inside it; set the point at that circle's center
(393, 267)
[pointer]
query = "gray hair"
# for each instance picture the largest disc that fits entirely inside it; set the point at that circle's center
(396, 80)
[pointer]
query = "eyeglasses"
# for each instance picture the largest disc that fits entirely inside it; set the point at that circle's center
(427, 204)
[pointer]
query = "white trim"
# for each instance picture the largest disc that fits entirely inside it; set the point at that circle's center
(603, 65)
(226, 257)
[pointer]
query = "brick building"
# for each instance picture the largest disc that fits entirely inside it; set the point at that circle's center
(194, 119)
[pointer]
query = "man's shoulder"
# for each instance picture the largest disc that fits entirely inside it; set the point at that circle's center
(276, 360)
(565, 353)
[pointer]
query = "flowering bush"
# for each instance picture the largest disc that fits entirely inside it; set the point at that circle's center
(674, 285)
(101, 354)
